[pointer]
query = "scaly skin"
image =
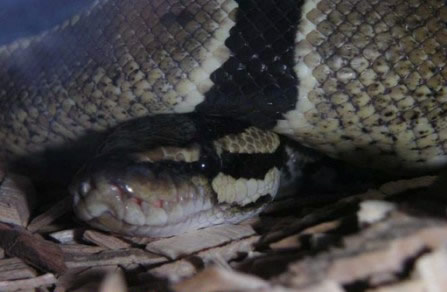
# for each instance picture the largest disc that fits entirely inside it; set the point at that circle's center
(373, 82)
(114, 61)
(361, 80)
(371, 75)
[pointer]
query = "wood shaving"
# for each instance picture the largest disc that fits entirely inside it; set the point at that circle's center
(299, 245)
(372, 211)
(14, 268)
(399, 186)
(361, 260)
(214, 279)
(17, 198)
(40, 281)
(107, 241)
(114, 282)
(79, 277)
(64, 236)
(325, 286)
(406, 286)
(186, 267)
(188, 243)
(113, 257)
(34, 250)
(56, 211)
(81, 249)
(432, 269)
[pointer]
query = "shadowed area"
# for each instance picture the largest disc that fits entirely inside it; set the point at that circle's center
(22, 18)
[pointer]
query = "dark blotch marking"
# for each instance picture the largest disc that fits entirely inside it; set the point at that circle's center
(251, 165)
(257, 83)
(183, 18)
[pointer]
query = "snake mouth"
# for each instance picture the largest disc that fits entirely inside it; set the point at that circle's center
(139, 201)
(136, 200)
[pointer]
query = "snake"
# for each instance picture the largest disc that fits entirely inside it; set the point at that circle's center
(189, 100)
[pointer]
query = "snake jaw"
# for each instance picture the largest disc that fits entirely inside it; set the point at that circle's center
(108, 205)
(102, 196)
(142, 206)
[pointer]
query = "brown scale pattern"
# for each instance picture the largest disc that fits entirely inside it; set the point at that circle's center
(115, 61)
(252, 140)
(373, 90)
(376, 92)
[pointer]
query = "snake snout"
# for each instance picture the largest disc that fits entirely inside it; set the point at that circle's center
(140, 201)
(84, 188)
(96, 198)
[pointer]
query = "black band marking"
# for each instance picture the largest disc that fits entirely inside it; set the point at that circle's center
(258, 84)
(251, 165)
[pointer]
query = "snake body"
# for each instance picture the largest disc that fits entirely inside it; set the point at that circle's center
(364, 81)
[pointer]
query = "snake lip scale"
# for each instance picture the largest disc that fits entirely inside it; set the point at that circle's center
(179, 105)
(120, 208)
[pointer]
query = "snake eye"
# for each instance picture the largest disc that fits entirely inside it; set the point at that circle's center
(208, 164)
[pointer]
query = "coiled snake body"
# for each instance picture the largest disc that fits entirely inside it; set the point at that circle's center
(360, 80)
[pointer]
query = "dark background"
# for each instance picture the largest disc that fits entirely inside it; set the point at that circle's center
(22, 18)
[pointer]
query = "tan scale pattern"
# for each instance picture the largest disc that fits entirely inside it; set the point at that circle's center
(186, 154)
(251, 140)
(116, 61)
(373, 82)
(242, 191)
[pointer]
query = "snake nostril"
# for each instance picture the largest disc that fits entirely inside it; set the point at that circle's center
(84, 188)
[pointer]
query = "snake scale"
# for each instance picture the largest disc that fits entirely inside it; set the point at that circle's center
(189, 96)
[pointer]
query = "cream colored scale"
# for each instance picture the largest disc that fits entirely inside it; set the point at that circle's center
(373, 82)
(114, 70)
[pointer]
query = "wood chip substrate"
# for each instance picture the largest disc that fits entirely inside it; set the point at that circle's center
(389, 239)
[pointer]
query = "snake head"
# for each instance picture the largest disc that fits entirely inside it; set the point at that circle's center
(167, 197)
(136, 187)
(141, 196)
